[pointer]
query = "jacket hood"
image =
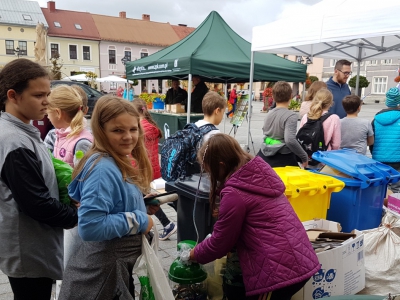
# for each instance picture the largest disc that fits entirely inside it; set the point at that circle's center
(257, 173)
(31, 130)
(388, 117)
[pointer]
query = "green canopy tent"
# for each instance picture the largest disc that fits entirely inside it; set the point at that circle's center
(217, 54)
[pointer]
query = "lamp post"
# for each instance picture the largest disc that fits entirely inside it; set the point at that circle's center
(124, 60)
(307, 62)
(17, 51)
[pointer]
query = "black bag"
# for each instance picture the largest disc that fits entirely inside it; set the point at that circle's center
(311, 137)
(179, 151)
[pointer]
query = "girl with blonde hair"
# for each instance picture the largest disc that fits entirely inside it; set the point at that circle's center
(306, 104)
(66, 113)
(320, 105)
(109, 182)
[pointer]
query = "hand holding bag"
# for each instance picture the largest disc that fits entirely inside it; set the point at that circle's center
(158, 287)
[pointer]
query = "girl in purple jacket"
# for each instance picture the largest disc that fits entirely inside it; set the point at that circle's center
(256, 220)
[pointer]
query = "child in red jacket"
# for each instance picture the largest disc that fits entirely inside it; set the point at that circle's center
(152, 134)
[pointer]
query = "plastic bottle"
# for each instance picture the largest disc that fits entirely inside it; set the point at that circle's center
(78, 156)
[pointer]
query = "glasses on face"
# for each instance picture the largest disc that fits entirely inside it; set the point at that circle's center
(345, 73)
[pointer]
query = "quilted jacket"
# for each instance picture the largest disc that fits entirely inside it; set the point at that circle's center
(387, 135)
(256, 217)
(151, 134)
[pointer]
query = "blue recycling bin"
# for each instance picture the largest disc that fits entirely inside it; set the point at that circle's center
(359, 204)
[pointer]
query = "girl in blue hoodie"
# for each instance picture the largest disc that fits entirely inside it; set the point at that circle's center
(112, 215)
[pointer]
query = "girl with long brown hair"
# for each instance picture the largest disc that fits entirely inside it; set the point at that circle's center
(112, 214)
(256, 226)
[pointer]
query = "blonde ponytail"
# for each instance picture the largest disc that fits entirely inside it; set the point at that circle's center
(322, 101)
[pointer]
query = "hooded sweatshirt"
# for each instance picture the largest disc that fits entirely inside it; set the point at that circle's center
(386, 125)
(31, 217)
(257, 219)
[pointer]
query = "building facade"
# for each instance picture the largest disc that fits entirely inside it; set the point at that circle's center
(124, 39)
(18, 20)
(74, 36)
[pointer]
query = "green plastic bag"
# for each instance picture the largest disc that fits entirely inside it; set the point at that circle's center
(64, 178)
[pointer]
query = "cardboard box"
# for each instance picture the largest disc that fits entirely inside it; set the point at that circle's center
(177, 108)
(393, 203)
(342, 268)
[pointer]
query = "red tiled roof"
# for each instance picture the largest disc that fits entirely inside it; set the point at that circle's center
(135, 31)
(67, 20)
(183, 31)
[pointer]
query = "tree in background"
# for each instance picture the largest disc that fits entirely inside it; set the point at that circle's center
(363, 83)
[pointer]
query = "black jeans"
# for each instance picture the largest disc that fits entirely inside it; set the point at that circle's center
(285, 293)
(31, 288)
(279, 160)
(162, 217)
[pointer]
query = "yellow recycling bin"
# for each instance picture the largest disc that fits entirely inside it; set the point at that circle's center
(308, 193)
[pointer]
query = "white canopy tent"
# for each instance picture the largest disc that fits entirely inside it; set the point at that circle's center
(113, 78)
(79, 77)
(355, 30)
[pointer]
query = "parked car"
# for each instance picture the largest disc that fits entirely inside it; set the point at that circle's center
(92, 94)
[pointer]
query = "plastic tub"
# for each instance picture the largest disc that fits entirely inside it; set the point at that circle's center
(308, 193)
(359, 204)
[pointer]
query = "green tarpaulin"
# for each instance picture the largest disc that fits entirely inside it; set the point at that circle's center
(216, 53)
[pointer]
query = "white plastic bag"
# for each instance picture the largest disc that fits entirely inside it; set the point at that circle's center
(149, 257)
(382, 258)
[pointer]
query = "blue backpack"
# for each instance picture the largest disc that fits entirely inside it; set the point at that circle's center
(180, 149)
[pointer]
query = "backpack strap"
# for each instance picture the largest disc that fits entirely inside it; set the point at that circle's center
(324, 117)
(78, 142)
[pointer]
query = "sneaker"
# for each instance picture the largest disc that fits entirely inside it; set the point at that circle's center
(168, 231)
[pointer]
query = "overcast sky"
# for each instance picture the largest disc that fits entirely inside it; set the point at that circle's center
(241, 15)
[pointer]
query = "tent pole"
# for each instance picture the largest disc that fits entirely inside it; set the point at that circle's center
(226, 96)
(358, 69)
(249, 112)
(189, 99)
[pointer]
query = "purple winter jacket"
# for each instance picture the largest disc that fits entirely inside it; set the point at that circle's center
(256, 217)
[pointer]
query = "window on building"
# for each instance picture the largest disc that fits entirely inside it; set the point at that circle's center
(333, 62)
(386, 61)
(285, 56)
(299, 59)
(27, 17)
(128, 55)
(86, 52)
(57, 24)
(111, 56)
(143, 54)
(379, 85)
(373, 62)
(22, 48)
(77, 26)
(10, 47)
(73, 52)
(355, 64)
(54, 50)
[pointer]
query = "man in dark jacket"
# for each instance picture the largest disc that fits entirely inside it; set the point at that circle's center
(175, 94)
(197, 95)
(338, 86)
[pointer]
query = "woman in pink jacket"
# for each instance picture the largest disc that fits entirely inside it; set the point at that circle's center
(267, 244)
(320, 105)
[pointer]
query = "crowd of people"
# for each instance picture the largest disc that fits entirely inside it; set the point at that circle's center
(93, 243)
